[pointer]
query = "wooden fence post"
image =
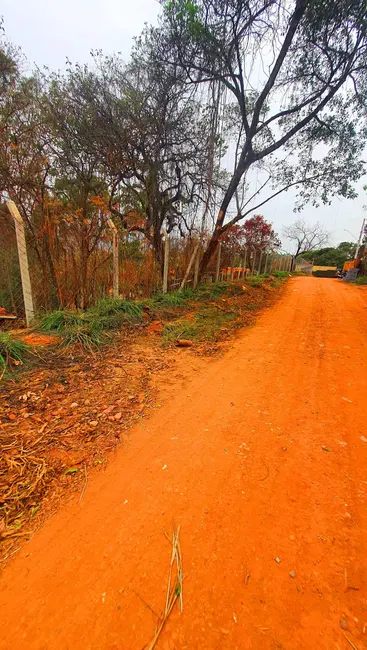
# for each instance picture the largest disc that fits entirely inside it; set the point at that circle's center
(187, 273)
(260, 260)
(166, 262)
(23, 262)
(115, 256)
(217, 270)
(266, 262)
(196, 268)
(253, 261)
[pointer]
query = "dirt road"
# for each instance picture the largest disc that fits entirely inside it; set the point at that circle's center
(262, 455)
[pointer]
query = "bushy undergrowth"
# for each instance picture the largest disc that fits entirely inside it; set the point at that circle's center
(12, 352)
(90, 328)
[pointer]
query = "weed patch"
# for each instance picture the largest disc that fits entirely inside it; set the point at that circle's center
(12, 352)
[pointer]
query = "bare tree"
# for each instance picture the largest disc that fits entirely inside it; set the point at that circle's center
(292, 69)
(306, 237)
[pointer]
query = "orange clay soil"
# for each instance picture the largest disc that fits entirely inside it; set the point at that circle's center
(261, 457)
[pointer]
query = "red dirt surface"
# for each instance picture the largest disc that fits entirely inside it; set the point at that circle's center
(258, 455)
(36, 339)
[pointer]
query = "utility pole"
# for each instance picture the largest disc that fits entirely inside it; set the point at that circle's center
(360, 238)
(23, 262)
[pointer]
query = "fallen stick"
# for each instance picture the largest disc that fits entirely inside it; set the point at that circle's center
(84, 485)
(351, 643)
(174, 592)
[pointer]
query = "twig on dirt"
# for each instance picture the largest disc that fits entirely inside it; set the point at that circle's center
(85, 484)
(247, 577)
(174, 592)
(351, 643)
(267, 470)
(146, 604)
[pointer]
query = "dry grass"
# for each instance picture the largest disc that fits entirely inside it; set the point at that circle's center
(174, 585)
(57, 423)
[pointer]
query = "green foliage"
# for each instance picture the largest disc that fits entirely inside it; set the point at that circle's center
(206, 326)
(332, 256)
(128, 310)
(256, 280)
(362, 280)
(57, 321)
(131, 250)
(88, 328)
(281, 274)
(88, 335)
(174, 299)
(11, 350)
(216, 290)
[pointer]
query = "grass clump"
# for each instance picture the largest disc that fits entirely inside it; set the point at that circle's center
(362, 280)
(110, 307)
(205, 326)
(88, 335)
(88, 329)
(281, 274)
(213, 291)
(57, 321)
(12, 352)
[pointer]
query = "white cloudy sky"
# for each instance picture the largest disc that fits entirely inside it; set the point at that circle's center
(48, 32)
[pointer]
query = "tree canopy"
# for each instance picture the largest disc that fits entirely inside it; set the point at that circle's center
(295, 74)
(332, 256)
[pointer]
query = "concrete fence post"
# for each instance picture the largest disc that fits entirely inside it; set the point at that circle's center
(23, 262)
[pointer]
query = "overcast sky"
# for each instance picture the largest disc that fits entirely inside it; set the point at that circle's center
(49, 32)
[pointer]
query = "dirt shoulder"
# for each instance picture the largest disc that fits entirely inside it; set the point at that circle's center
(260, 457)
(61, 420)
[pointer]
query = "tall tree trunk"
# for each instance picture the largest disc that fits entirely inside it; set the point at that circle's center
(241, 169)
(157, 246)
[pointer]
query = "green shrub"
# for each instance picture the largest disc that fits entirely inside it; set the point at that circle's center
(362, 280)
(56, 321)
(11, 351)
(132, 311)
(281, 274)
(88, 334)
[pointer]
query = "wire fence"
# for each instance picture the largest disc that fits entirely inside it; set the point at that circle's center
(11, 293)
(67, 274)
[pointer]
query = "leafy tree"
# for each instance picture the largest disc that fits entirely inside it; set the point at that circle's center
(144, 133)
(287, 103)
(25, 164)
(332, 256)
(255, 234)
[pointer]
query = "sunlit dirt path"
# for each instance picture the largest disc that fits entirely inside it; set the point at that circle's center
(265, 459)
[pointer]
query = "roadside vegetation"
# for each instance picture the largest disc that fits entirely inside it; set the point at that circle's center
(12, 352)
(211, 310)
(94, 327)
